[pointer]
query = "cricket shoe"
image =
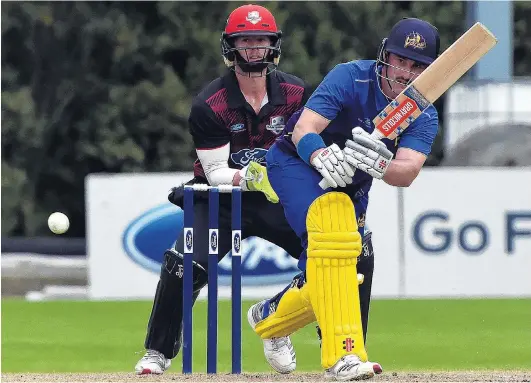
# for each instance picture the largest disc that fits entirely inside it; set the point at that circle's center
(153, 362)
(350, 367)
(279, 352)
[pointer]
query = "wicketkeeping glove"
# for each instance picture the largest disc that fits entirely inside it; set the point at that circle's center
(254, 178)
(367, 154)
(330, 162)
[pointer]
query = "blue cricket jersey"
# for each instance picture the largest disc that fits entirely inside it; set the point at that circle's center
(349, 96)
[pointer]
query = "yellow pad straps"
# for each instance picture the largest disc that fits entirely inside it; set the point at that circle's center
(334, 244)
(294, 311)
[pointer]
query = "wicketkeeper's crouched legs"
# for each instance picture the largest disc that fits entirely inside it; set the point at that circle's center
(165, 323)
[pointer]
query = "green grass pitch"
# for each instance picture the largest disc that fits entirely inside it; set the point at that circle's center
(404, 335)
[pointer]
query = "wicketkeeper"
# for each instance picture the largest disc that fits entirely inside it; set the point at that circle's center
(234, 120)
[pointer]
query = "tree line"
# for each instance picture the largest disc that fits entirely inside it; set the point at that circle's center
(93, 87)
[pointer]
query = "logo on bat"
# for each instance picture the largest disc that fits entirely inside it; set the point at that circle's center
(399, 114)
(415, 40)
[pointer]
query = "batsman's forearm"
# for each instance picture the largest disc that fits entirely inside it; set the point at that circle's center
(299, 131)
(309, 122)
(401, 173)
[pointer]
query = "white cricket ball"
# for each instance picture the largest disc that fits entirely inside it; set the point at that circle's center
(58, 223)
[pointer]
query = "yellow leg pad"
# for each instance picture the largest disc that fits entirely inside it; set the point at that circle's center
(334, 244)
(294, 311)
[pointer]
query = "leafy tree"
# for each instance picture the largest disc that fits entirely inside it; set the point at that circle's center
(522, 38)
(92, 87)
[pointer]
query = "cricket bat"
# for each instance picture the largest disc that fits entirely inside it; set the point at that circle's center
(436, 79)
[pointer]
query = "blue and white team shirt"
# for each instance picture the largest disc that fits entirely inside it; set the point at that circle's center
(349, 96)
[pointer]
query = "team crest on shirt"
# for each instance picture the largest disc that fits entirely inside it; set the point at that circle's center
(276, 124)
(253, 17)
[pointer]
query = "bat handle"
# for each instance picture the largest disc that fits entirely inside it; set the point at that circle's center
(377, 135)
(323, 184)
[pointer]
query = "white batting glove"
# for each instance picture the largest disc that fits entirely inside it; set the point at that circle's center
(330, 162)
(367, 154)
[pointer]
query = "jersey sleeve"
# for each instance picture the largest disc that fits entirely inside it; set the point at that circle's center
(206, 129)
(334, 92)
(421, 133)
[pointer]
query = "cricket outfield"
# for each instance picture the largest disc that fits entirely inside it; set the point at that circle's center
(414, 340)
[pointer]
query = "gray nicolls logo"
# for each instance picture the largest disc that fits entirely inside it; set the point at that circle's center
(180, 271)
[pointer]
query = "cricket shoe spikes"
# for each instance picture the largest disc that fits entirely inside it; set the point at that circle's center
(279, 352)
(350, 367)
(153, 362)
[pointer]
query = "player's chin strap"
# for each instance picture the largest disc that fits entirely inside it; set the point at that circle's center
(252, 74)
(381, 63)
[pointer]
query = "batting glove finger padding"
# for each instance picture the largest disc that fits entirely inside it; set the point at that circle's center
(331, 163)
(367, 154)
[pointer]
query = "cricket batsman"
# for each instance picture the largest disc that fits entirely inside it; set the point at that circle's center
(319, 142)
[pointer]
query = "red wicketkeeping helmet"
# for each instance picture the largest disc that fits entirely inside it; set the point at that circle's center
(249, 20)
